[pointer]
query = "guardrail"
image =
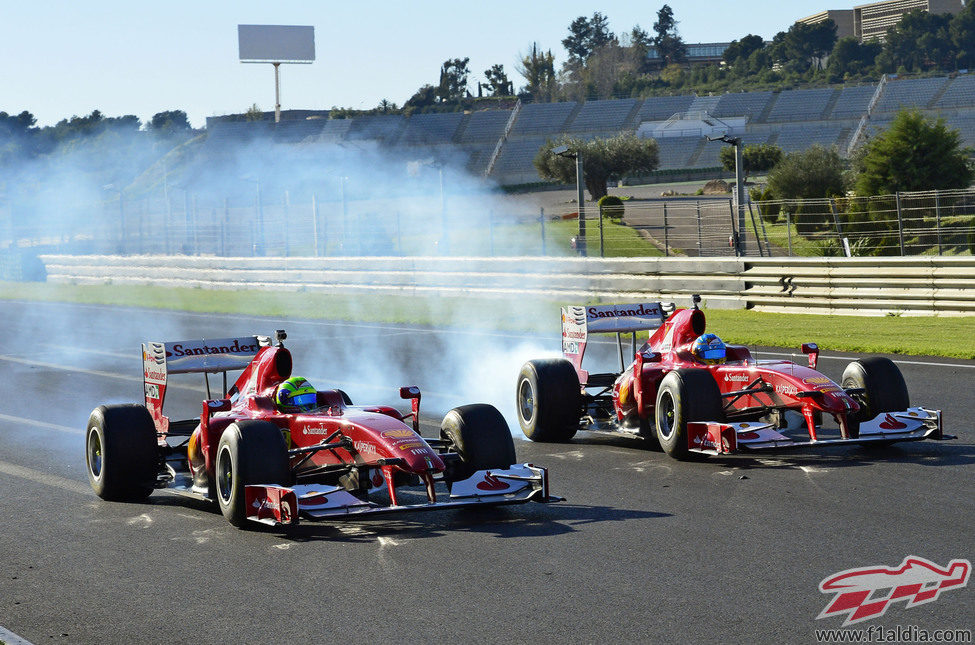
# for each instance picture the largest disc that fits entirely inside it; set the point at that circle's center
(861, 286)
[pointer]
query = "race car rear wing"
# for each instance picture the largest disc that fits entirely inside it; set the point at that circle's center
(578, 322)
(207, 356)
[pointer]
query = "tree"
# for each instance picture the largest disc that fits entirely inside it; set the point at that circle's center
(743, 49)
(538, 70)
(756, 158)
(169, 123)
(850, 57)
(602, 160)
(804, 45)
(962, 31)
(423, 97)
(453, 80)
(498, 83)
(670, 46)
(814, 172)
(586, 35)
(920, 40)
(253, 113)
(914, 153)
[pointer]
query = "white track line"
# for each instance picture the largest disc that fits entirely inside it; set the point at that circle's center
(11, 638)
(39, 477)
(41, 424)
(850, 358)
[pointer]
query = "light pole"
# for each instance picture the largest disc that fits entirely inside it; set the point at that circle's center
(259, 241)
(563, 151)
(121, 217)
(739, 191)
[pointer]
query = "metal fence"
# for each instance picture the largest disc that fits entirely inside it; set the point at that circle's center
(329, 225)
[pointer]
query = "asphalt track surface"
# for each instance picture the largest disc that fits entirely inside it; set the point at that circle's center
(645, 549)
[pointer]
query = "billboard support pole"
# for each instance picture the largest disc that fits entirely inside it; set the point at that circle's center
(277, 93)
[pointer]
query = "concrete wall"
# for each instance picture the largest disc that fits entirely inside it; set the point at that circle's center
(860, 286)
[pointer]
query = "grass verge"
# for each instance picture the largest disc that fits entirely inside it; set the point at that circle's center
(927, 336)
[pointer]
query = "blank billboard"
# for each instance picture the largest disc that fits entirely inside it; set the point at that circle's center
(276, 43)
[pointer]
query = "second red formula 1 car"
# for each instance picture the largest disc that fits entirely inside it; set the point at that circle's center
(273, 450)
(694, 395)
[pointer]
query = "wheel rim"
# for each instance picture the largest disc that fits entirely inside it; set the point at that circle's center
(95, 454)
(526, 401)
(666, 410)
(225, 475)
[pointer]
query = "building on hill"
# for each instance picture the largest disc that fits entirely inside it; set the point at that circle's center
(697, 54)
(872, 20)
(842, 18)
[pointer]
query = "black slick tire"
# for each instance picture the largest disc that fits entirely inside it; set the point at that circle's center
(548, 400)
(884, 389)
(121, 452)
(249, 452)
(479, 434)
(685, 395)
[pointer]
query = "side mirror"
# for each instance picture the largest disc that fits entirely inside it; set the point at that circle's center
(412, 392)
(812, 349)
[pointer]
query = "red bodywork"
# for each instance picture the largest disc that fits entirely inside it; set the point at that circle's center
(749, 388)
(376, 433)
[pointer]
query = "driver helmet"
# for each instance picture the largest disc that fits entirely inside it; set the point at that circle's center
(296, 395)
(708, 348)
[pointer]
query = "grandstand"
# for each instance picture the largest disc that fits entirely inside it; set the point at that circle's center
(504, 142)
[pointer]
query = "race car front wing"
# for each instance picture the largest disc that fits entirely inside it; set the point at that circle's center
(913, 424)
(280, 505)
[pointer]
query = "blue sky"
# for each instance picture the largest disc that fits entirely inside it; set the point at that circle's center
(62, 58)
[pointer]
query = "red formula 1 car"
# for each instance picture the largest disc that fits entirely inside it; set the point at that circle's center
(691, 407)
(332, 460)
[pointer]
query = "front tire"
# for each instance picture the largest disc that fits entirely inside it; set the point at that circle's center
(249, 452)
(884, 389)
(480, 436)
(685, 395)
(549, 400)
(121, 452)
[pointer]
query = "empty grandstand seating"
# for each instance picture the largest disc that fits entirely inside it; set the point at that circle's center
(959, 93)
(791, 119)
(909, 93)
(334, 130)
(431, 128)
(792, 137)
(517, 156)
(602, 116)
(296, 131)
(852, 102)
(661, 108)
(750, 104)
(800, 105)
(381, 127)
(485, 126)
(965, 124)
(543, 118)
(675, 152)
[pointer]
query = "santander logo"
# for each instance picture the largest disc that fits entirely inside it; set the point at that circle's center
(491, 482)
(916, 581)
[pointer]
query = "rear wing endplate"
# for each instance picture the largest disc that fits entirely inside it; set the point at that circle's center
(208, 356)
(578, 322)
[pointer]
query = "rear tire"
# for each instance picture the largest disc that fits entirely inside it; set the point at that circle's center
(685, 395)
(480, 436)
(884, 389)
(549, 400)
(249, 452)
(121, 452)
